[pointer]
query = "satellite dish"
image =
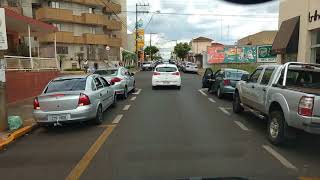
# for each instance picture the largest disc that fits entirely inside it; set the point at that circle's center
(248, 1)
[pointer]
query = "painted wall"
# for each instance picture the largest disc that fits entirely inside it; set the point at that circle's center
(21, 85)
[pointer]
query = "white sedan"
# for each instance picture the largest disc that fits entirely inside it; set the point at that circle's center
(166, 75)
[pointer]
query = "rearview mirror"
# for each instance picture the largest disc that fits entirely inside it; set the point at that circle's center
(245, 77)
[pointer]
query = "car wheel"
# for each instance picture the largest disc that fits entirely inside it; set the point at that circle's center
(125, 93)
(178, 87)
(276, 128)
(114, 104)
(237, 108)
(219, 93)
(99, 117)
(154, 87)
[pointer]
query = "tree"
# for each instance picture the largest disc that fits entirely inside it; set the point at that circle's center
(152, 49)
(181, 50)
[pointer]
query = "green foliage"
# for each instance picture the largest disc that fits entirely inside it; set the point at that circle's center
(131, 67)
(153, 50)
(127, 56)
(246, 67)
(181, 50)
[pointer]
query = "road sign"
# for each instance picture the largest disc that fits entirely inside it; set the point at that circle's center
(3, 31)
(108, 48)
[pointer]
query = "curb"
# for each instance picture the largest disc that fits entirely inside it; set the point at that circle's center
(16, 134)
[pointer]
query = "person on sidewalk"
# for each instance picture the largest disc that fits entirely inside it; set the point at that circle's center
(86, 66)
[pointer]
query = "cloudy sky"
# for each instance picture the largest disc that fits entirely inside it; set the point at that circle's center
(183, 20)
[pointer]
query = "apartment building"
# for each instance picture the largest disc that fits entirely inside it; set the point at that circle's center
(85, 27)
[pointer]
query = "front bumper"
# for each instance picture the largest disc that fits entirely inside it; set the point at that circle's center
(191, 70)
(83, 113)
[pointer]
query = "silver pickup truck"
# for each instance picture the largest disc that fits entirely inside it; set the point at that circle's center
(288, 96)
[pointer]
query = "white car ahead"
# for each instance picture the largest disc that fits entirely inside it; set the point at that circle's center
(166, 75)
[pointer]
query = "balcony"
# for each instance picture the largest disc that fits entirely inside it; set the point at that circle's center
(95, 3)
(111, 7)
(63, 15)
(69, 38)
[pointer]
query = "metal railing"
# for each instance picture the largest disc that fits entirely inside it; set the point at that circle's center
(29, 63)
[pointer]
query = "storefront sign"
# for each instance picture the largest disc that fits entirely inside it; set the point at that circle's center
(265, 55)
(215, 54)
(3, 31)
(315, 17)
(2, 71)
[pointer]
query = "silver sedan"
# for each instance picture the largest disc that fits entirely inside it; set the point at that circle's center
(120, 78)
(74, 99)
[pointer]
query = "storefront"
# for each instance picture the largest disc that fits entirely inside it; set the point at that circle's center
(298, 38)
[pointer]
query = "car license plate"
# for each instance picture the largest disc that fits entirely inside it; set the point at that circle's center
(58, 117)
(166, 82)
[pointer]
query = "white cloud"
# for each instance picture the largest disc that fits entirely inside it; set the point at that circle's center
(186, 27)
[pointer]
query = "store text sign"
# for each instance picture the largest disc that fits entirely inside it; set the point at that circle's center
(314, 16)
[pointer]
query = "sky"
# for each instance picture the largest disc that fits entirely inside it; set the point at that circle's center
(184, 20)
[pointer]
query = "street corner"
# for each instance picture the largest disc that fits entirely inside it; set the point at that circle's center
(7, 138)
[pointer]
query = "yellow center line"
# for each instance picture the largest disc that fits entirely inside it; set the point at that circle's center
(87, 158)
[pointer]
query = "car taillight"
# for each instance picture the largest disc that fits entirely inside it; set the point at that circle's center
(226, 82)
(176, 73)
(306, 106)
(116, 79)
(156, 73)
(83, 100)
(36, 104)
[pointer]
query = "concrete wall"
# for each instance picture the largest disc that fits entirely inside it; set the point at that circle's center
(21, 85)
(292, 8)
(123, 17)
(199, 47)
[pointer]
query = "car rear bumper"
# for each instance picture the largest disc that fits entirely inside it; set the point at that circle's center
(118, 88)
(312, 125)
(228, 90)
(80, 114)
(166, 83)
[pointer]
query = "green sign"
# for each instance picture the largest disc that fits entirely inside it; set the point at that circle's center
(240, 54)
(265, 55)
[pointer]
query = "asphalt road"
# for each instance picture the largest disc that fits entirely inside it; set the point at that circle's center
(162, 134)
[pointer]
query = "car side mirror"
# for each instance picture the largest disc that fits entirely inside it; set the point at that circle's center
(245, 77)
(132, 74)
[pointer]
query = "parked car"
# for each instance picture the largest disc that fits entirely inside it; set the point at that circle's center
(121, 80)
(146, 66)
(190, 67)
(166, 75)
(287, 95)
(74, 99)
(224, 81)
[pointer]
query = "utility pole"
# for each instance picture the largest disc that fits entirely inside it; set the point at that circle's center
(3, 99)
(137, 11)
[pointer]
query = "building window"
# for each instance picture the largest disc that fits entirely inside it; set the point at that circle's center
(54, 4)
(92, 30)
(62, 49)
(91, 10)
(57, 26)
(315, 47)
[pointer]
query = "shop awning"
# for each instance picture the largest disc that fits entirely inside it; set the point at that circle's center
(287, 38)
(19, 24)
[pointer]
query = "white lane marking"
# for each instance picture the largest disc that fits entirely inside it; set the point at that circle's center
(242, 126)
(225, 111)
(117, 119)
(279, 157)
(212, 100)
(133, 98)
(126, 107)
(204, 89)
(138, 92)
(203, 93)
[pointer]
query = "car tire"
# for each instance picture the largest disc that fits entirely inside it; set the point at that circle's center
(236, 104)
(99, 116)
(154, 87)
(219, 93)
(125, 93)
(114, 104)
(178, 87)
(276, 128)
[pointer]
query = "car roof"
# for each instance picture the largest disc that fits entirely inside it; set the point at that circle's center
(76, 76)
(167, 65)
(230, 69)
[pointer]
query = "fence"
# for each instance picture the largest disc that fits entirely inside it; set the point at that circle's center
(30, 63)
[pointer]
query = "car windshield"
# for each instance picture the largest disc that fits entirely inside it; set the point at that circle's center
(109, 72)
(235, 75)
(75, 84)
(166, 69)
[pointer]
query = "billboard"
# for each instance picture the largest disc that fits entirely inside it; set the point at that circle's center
(265, 55)
(215, 54)
(240, 54)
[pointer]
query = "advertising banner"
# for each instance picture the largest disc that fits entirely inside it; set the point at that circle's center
(140, 39)
(241, 54)
(215, 54)
(265, 55)
(3, 31)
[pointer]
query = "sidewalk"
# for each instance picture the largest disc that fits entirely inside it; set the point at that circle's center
(24, 110)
